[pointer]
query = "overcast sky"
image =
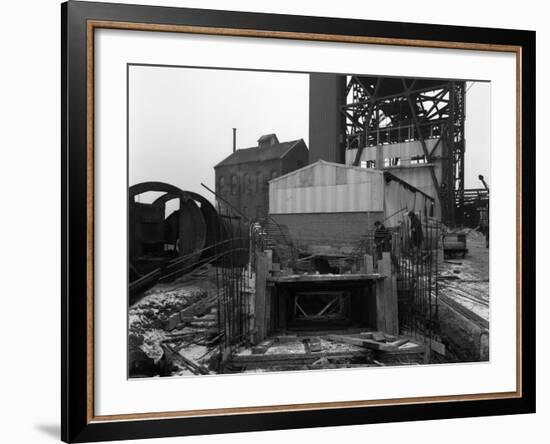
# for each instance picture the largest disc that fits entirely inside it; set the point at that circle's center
(181, 121)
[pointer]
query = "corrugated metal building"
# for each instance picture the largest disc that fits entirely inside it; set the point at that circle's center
(325, 187)
(333, 205)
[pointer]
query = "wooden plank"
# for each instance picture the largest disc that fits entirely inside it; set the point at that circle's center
(314, 278)
(342, 331)
(399, 342)
(416, 350)
(261, 348)
(312, 357)
(360, 342)
(188, 313)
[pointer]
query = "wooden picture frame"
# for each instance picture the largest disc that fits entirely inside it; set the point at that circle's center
(79, 22)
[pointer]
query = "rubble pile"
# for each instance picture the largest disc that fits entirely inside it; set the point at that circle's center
(146, 328)
(329, 351)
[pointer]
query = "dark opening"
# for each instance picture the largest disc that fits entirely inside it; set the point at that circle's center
(316, 309)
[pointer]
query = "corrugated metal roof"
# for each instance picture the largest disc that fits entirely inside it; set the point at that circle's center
(327, 187)
(390, 176)
(315, 165)
(257, 154)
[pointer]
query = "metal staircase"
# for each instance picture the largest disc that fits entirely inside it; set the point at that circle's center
(276, 237)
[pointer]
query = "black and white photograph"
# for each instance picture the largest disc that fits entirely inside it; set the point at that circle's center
(301, 221)
(242, 221)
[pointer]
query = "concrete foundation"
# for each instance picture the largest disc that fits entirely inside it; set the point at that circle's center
(465, 339)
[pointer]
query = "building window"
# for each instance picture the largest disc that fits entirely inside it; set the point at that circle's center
(234, 184)
(221, 185)
(245, 211)
(247, 185)
(418, 160)
(391, 162)
(259, 182)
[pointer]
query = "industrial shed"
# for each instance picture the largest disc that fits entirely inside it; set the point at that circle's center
(331, 204)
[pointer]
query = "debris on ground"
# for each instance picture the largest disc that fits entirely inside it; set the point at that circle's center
(174, 330)
(182, 349)
(327, 351)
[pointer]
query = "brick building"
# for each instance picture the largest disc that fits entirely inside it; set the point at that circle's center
(242, 177)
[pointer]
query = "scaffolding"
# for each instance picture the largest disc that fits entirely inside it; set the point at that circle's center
(380, 111)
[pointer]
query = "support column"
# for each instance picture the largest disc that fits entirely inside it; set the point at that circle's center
(262, 270)
(282, 296)
(387, 319)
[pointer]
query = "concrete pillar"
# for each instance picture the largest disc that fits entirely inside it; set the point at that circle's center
(387, 319)
(262, 270)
